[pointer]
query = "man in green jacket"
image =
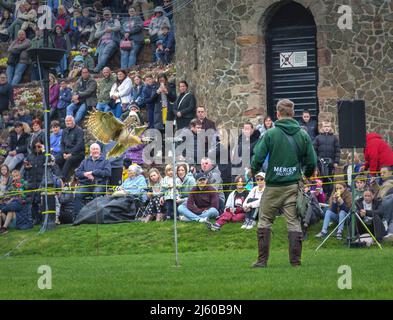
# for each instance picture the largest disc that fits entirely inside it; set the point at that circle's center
(285, 144)
(104, 86)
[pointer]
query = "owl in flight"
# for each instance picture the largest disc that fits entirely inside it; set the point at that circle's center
(104, 126)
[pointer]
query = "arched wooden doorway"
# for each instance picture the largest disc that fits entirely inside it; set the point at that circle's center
(291, 58)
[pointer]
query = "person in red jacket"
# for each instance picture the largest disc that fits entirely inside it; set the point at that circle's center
(377, 153)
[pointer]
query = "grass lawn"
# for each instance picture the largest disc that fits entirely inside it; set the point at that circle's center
(136, 261)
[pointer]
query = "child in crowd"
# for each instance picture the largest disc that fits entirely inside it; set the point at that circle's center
(252, 202)
(360, 185)
(7, 121)
(65, 96)
(234, 206)
(167, 189)
(340, 203)
(153, 209)
(22, 115)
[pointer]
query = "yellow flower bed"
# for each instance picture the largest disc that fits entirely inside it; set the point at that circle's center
(3, 62)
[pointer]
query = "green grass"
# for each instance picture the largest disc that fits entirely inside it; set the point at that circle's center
(136, 261)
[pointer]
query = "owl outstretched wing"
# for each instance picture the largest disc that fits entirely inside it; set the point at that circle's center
(104, 126)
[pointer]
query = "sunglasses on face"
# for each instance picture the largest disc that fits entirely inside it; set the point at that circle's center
(260, 179)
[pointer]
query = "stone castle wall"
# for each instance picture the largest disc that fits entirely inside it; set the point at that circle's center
(221, 52)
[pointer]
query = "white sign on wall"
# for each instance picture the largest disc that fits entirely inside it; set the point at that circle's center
(293, 59)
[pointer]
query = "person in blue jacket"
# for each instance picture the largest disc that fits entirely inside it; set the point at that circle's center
(165, 45)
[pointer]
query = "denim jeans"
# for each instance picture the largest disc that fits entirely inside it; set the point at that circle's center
(128, 58)
(330, 215)
(13, 161)
(163, 57)
(209, 213)
(101, 106)
(62, 68)
(80, 111)
(105, 52)
(15, 73)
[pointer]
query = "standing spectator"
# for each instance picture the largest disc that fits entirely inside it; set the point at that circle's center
(94, 170)
(6, 94)
(158, 20)
(168, 8)
(55, 138)
(163, 97)
(165, 46)
(340, 203)
(104, 86)
(120, 93)
(234, 206)
(137, 92)
(61, 40)
(202, 203)
(184, 107)
(34, 165)
(65, 96)
(132, 30)
(282, 178)
(201, 116)
(18, 59)
(84, 96)
(75, 28)
(72, 148)
(17, 146)
(377, 153)
(109, 38)
(63, 18)
(148, 95)
(266, 125)
(5, 23)
(310, 125)
(54, 92)
(327, 148)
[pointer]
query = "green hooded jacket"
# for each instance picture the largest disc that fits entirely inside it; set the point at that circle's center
(284, 167)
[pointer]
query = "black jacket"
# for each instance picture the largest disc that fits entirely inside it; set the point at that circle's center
(373, 219)
(311, 127)
(6, 97)
(72, 141)
(20, 146)
(101, 169)
(248, 147)
(187, 108)
(34, 174)
(156, 99)
(326, 145)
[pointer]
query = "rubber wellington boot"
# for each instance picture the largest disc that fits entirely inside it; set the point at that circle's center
(263, 235)
(295, 247)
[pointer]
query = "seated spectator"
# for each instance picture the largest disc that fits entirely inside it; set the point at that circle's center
(81, 61)
(84, 96)
(104, 86)
(165, 46)
(75, 28)
(133, 109)
(339, 205)
(94, 170)
(186, 182)
(163, 99)
(314, 211)
(117, 164)
(132, 33)
(147, 93)
(251, 204)
(18, 59)
(6, 94)
(168, 8)
(167, 189)
(120, 93)
(155, 31)
(34, 165)
(14, 210)
(54, 91)
(23, 115)
(5, 178)
(65, 96)
(55, 138)
(109, 39)
(26, 19)
(387, 183)
(72, 149)
(202, 203)
(17, 146)
(7, 121)
(360, 185)
(137, 92)
(37, 134)
(87, 26)
(135, 184)
(234, 206)
(214, 178)
(316, 187)
(201, 116)
(308, 124)
(154, 193)
(5, 23)
(61, 40)
(185, 106)
(63, 18)
(367, 208)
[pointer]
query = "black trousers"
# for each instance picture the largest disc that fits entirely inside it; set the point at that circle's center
(68, 166)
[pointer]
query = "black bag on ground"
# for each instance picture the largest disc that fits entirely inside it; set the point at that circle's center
(66, 213)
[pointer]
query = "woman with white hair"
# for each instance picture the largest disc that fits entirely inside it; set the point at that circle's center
(135, 184)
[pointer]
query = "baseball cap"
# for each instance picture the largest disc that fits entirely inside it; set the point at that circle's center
(200, 176)
(260, 174)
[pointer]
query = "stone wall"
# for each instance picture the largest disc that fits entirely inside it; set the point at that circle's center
(229, 76)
